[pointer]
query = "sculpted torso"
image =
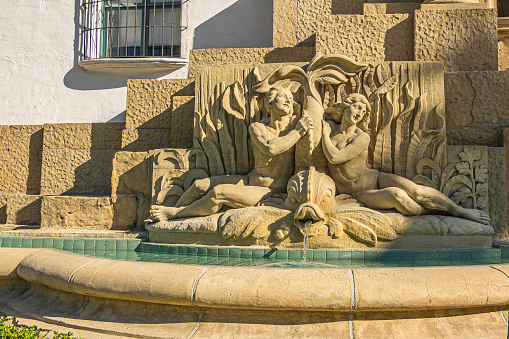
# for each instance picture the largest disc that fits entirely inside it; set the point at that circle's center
(352, 176)
(271, 169)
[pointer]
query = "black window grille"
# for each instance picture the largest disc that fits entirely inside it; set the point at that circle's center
(130, 28)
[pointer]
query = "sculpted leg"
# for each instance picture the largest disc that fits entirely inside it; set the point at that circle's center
(236, 196)
(200, 187)
(391, 197)
(430, 198)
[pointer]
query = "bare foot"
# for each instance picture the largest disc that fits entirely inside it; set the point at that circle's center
(162, 213)
(475, 215)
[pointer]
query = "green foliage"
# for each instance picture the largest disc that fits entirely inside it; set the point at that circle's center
(10, 329)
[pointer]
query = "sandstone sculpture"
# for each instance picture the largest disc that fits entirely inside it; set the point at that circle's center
(385, 148)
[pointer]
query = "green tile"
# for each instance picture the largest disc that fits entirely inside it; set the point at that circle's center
(132, 244)
(282, 254)
(319, 255)
(383, 255)
(295, 255)
(332, 255)
(432, 262)
(16, 242)
(431, 255)
(258, 253)
(37, 243)
(496, 253)
(477, 254)
(445, 262)
(309, 254)
(418, 262)
(100, 244)
(407, 255)
(443, 254)
(182, 249)
(246, 253)
(154, 248)
(496, 260)
(369, 256)
(419, 255)
(131, 255)
(111, 245)
(89, 244)
(223, 251)
(202, 250)
(6, 242)
(26, 242)
(78, 251)
(405, 263)
(89, 252)
(466, 254)
(47, 242)
(163, 248)
(68, 244)
(234, 253)
(505, 251)
(79, 244)
(454, 254)
(173, 249)
(357, 254)
(100, 253)
(121, 244)
(395, 255)
(192, 250)
(344, 255)
(58, 243)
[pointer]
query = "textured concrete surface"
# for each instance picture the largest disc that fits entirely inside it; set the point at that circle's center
(228, 56)
(23, 209)
(78, 136)
(503, 55)
(149, 101)
(20, 158)
(464, 39)
(497, 190)
(145, 139)
(367, 38)
(283, 23)
(130, 173)
(182, 121)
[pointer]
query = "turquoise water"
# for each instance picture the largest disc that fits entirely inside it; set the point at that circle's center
(136, 250)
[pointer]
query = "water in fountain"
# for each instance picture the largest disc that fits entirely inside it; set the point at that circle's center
(305, 242)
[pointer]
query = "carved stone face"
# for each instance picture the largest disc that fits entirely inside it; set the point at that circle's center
(355, 112)
(283, 102)
(310, 195)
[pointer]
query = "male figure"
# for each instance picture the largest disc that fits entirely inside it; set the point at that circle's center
(273, 141)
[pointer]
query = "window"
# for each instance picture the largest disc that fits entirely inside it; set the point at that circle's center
(130, 28)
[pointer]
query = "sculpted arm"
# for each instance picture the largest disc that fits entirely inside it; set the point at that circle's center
(339, 156)
(277, 145)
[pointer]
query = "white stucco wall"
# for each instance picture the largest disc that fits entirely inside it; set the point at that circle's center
(42, 83)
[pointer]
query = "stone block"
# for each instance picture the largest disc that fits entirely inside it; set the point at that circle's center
(503, 55)
(477, 99)
(3, 208)
(125, 213)
(283, 23)
(76, 212)
(149, 101)
(463, 39)
(20, 158)
(182, 120)
(390, 8)
(141, 140)
(23, 209)
(90, 171)
(367, 38)
(130, 173)
(473, 136)
(79, 136)
(55, 171)
(144, 204)
(251, 56)
(498, 190)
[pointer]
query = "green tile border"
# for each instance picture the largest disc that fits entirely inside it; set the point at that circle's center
(130, 249)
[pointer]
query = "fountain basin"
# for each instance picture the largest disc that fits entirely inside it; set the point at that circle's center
(164, 300)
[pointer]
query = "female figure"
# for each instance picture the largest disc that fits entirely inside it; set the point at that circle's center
(346, 147)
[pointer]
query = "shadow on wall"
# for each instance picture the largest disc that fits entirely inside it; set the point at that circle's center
(244, 24)
(78, 79)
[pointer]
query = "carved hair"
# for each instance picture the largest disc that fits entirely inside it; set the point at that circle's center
(270, 96)
(350, 99)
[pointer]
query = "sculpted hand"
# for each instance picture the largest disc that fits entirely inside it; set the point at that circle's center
(305, 123)
(326, 130)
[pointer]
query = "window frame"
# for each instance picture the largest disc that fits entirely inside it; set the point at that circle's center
(144, 35)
